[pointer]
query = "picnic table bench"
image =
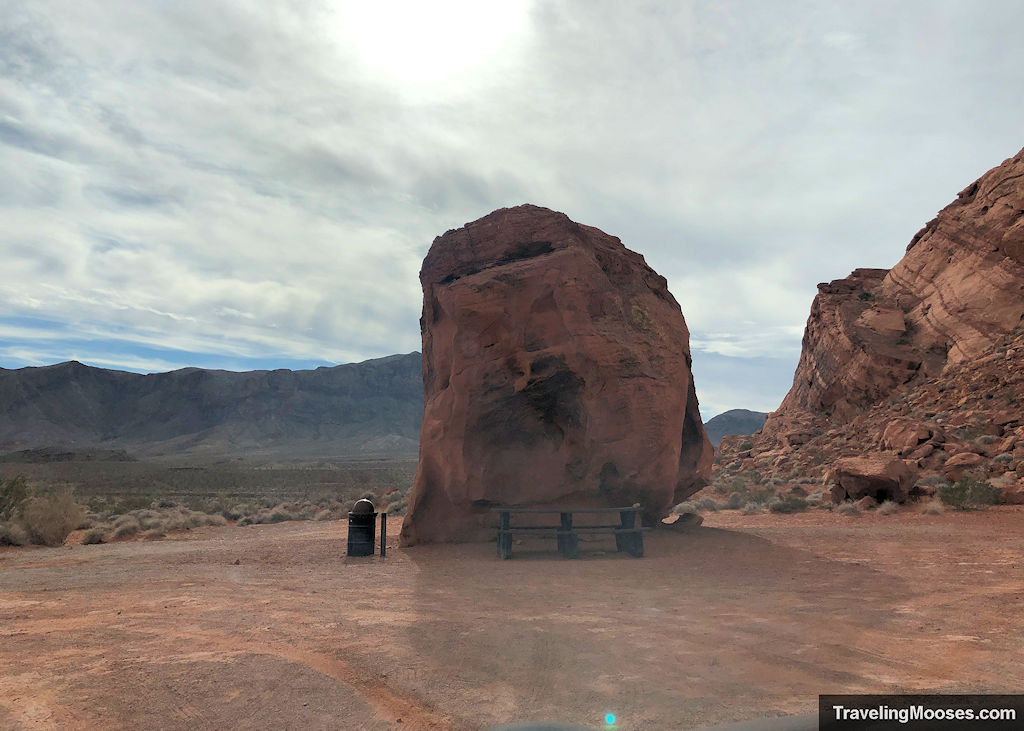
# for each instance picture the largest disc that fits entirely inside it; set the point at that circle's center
(628, 535)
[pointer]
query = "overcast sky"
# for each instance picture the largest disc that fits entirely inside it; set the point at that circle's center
(254, 185)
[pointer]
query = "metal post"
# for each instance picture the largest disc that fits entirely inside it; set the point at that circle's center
(383, 532)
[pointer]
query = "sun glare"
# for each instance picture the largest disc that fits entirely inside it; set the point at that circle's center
(430, 42)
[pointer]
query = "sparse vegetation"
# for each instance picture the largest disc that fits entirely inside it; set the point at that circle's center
(12, 534)
(933, 507)
(13, 494)
(49, 518)
(969, 493)
(753, 509)
(888, 507)
(847, 508)
(789, 504)
(707, 504)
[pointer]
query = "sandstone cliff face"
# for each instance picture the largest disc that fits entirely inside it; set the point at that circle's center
(556, 371)
(878, 339)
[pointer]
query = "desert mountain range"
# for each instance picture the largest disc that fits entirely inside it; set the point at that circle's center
(370, 408)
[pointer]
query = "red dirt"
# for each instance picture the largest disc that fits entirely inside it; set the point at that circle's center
(272, 627)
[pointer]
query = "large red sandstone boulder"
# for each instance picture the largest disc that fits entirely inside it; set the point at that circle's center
(879, 476)
(960, 464)
(904, 436)
(556, 372)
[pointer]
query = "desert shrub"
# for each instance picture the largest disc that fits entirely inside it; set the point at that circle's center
(1003, 458)
(933, 507)
(790, 504)
(148, 518)
(126, 525)
(322, 514)
(746, 445)
(13, 494)
(707, 504)
(752, 509)
(689, 506)
(279, 515)
(986, 439)
(88, 521)
(738, 484)
(302, 511)
(12, 534)
(760, 496)
(399, 507)
(736, 501)
(969, 493)
(847, 508)
(888, 507)
(95, 535)
(49, 518)
(154, 534)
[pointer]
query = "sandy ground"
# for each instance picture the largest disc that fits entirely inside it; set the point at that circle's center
(271, 627)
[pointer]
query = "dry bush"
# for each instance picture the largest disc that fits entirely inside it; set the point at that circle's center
(126, 525)
(753, 508)
(148, 518)
(95, 535)
(787, 505)
(933, 507)
(12, 534)
(682, 508)
(322, 514)
(154, 534)
(888, 507)
(708, 504)
(48, 519)
(847, 508)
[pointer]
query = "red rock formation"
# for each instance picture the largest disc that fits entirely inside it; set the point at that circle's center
(556, 371)
(884, 352)
(876, 476)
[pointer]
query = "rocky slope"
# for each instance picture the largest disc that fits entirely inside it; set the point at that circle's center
(919, 361)
(734, 421)
(364, 408)
(556, 369)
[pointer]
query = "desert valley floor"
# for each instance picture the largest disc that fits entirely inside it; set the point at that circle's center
(270, 626)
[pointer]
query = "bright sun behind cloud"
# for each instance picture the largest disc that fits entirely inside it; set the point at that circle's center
(430, 43)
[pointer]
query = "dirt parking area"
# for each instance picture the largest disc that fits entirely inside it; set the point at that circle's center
(271, 627)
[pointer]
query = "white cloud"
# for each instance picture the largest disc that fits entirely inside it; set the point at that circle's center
(244, 180)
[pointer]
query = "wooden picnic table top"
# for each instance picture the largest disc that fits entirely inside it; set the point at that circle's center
(565, 510)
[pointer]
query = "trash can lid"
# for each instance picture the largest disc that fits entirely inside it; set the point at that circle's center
(363, 507)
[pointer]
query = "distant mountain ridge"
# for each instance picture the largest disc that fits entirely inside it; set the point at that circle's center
(371, 408)
(734, 421)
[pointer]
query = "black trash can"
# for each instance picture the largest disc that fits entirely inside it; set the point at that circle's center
(362, 523)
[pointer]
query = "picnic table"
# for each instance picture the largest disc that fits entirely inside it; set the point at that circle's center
(628, 535)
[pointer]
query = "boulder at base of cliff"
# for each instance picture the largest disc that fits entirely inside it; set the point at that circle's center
(960, 464)
(880, 476)
(556, 373)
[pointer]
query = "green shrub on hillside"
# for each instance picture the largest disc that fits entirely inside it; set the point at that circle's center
(13, 494)
(969, 493)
